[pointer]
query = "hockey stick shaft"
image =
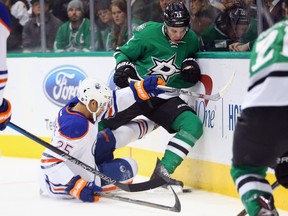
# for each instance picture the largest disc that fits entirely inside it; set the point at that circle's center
(213, 97)
(274, 186)
(175, 208)
(126, 187)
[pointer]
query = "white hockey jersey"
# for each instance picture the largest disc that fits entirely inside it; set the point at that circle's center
(75, 135)
(5, 28)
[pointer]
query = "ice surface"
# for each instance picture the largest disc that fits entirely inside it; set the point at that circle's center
(20, 195)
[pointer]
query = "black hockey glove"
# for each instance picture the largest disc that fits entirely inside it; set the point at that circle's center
(281, 170)
(123, 71)
(190, 71)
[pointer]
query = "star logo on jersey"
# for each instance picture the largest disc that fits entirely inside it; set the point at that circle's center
(164, 68)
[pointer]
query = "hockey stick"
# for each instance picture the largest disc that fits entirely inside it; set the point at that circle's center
(274, 186)
(175, 208)
(214, 97)
(126, 187)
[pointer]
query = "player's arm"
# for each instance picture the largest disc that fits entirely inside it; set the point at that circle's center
(138, 91)
(63, 181)
(5, 113)
(60, 43)
(59, 176)
(125, 57)
(5, 27)
(82, 189)
(190, 71)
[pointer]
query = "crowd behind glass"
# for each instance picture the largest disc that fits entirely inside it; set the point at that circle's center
(102, 25)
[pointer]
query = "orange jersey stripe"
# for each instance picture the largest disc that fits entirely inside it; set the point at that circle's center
(4, 24)
(105, 135)
(3, 80)
(53, 160)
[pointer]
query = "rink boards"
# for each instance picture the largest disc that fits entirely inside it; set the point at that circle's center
(39, 86)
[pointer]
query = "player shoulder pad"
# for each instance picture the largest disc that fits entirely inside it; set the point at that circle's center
(191, 35)
(147, 26)
(72, 125)
(140, 27)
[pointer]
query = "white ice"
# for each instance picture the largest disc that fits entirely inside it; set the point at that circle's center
(19, 195)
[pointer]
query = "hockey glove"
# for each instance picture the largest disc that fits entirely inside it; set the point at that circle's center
(83, 190)
(123, 71)
(146, 88)
(281, 170)
(5, 114)
(190, 71)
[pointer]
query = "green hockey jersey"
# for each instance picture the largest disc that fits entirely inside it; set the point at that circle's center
(70, 41)
(154, 54)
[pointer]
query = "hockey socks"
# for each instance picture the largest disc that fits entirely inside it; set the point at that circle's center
(254, 190)
(189, 129)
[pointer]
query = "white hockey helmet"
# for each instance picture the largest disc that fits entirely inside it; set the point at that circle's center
(93, 89)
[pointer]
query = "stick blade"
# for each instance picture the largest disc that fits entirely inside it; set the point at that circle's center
(177, 205)
(175, 208)
(226, 87)
(142, 186)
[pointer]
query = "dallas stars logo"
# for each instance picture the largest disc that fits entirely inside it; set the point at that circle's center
(164, 68)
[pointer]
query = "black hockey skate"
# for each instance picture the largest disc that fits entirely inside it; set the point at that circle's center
(161, 171)
(268, 207)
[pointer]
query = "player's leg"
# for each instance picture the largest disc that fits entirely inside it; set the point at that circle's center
(122, 170)
(281, 170)
(176, 116)
(109, 140)
(256, 145)
(133, 130)
(125, 116)
(189, 129)
(253, 189)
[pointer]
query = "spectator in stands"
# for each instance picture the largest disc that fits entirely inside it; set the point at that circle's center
(224, 5)
(74, 35)
(19, 15)
(164, 3)
(141, 9)
(246, 42)
(105, 22)
(250, 6)
(86, 10)
(274, 8)
(119, 29)
(32, 29)
(230, 27)
(202, 15)
(160, 8)
(59, 9)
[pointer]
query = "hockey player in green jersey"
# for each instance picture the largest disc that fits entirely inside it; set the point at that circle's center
(165, 50)
(260, 135)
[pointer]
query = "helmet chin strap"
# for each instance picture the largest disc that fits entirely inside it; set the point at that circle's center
(99, 110)
(93, 113)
